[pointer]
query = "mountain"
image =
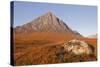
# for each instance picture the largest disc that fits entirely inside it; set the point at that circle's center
(93, 36)
(46, 23)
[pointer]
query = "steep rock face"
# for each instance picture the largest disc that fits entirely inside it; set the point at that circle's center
(78, 47)
(45, 23)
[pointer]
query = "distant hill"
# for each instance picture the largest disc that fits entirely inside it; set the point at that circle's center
(93, 36)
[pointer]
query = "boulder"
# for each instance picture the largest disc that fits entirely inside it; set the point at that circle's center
(77, 47)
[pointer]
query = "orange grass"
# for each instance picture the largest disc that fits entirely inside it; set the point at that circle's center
(44, 48)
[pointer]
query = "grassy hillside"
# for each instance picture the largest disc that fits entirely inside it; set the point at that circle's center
(46, 48)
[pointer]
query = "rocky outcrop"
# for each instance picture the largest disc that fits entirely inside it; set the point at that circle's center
(77, 47)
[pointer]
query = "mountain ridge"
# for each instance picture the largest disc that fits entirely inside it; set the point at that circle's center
(92, 36)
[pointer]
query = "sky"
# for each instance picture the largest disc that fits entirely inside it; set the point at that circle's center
(80, 18)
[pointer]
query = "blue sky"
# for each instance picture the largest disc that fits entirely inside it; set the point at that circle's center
(78, 17)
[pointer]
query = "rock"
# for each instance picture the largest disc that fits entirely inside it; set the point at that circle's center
(78, 47)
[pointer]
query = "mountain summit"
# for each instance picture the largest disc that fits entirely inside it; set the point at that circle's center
(45, 23)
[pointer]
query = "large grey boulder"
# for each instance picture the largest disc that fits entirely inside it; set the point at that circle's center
(77, 47)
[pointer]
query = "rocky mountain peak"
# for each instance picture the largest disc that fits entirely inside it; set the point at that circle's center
(47, 22)
(49, 13)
